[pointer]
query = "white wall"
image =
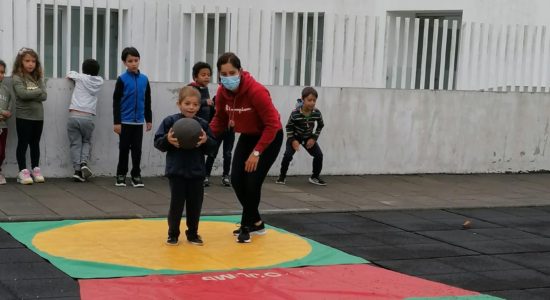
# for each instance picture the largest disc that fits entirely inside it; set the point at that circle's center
(368, 131)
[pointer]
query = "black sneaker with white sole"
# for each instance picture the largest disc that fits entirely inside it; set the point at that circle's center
(195, 240)
(120, 180)
(257, 229)
(137, 182)
(226, 181)
(172, 241)
(317, 181)
(85, 170)
(244, 235)
(77, 176)
(280, 180)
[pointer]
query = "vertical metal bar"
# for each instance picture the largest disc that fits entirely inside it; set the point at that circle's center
(465, 37)
(424, 55)
(216, 44)
(94, 30)
(499, 68)
(42, 26)
(520, 59)
(397, 36)
(405, 54)
(169, 34)
(492, 59)
(512, 43)
(32, 28)
(535, 63)
(294, 48)
(481, 79)
(68, 45)
(544, 75)
(314, 49)
(81, 37)
(205, 35)
(119, 44)
(359, 52)
(282, 49)
(385, 51)
(452, 57)
(541, 48)
(365, 46)
(158, 43)
(304, 48)
(443, 55)
(55, 36)
(107, 39)
(181, 52)
(228, 17)
(271, 49)
(415, 52)
(434, 54)
(192, 40)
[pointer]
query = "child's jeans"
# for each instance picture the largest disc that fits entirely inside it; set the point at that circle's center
(185, 191)
(314, 151)
(79, 129)
(3, 138)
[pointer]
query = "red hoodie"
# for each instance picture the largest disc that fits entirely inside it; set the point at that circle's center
(251, 110)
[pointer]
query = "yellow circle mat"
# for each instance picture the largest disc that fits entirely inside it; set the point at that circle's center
(140, 243)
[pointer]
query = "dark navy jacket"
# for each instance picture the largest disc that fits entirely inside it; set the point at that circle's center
(206, 111)
(132, 99)
(186, 163)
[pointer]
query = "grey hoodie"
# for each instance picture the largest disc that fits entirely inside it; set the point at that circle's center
(85, 92)
(29, 95)
(6, 103)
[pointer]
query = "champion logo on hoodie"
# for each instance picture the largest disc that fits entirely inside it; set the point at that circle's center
(237, 110)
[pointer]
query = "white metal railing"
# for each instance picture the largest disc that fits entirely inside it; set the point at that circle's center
(280, 47)
(493, 57)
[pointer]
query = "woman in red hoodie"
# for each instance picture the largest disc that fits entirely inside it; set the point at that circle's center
(245, 105)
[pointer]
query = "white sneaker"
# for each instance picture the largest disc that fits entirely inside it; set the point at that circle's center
(24, 177)
(37, 175)
(2, 179)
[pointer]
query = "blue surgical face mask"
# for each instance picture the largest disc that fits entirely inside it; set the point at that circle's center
(231, 82)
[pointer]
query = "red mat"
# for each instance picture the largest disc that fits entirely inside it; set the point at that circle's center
(326, 282)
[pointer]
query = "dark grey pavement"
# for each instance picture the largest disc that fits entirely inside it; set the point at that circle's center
(411, 224)
(63, 199)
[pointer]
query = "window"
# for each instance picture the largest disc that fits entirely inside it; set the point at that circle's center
(293, 65)
(62, 39)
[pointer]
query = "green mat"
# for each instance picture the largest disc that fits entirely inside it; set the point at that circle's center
(25, 232)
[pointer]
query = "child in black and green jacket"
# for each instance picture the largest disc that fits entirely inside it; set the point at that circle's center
(303, 128)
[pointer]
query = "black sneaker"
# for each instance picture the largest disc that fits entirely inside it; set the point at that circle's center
(237, 231)
(280, 180)
(172, 241)
(77, 176)
(244, 235)
(120, 180)
(317, 181)
(136, 182)
(258, 229)
(85, 170)
(195, 240)
(226, 181)
(206, 182)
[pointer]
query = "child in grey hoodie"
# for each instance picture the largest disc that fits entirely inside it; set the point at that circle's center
(6, 106)
(82, 113)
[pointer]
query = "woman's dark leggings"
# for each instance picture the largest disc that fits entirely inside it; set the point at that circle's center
(248, 186)
(28, 134)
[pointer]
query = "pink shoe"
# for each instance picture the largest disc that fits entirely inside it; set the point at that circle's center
(24, 177)
(37, 175)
